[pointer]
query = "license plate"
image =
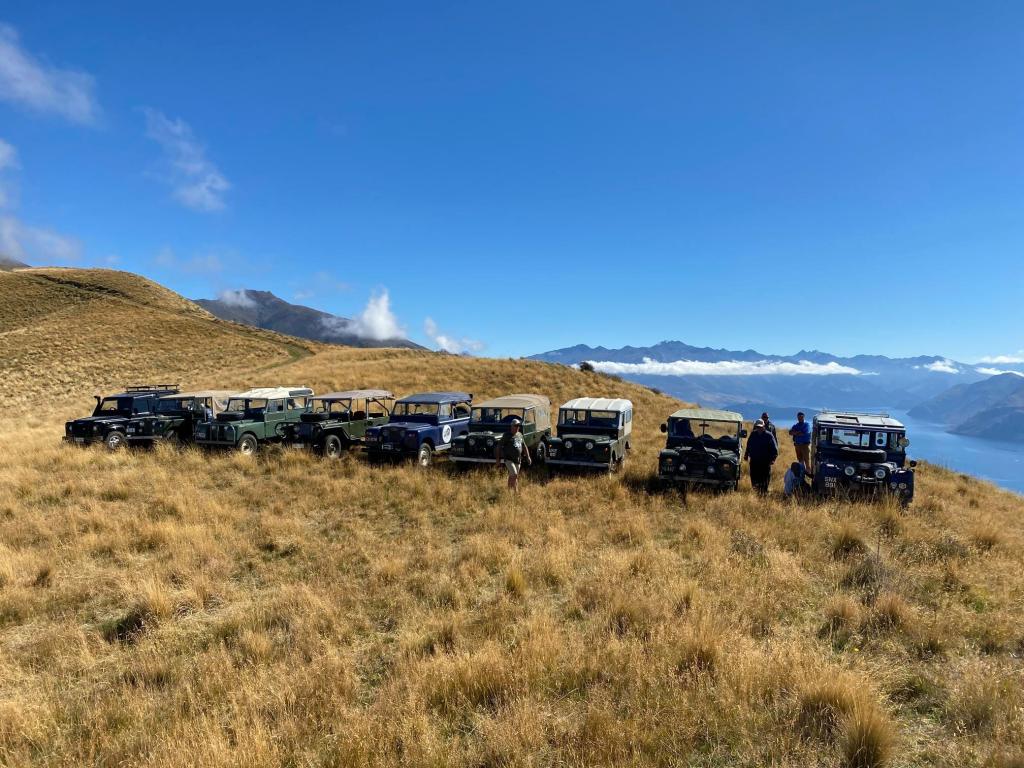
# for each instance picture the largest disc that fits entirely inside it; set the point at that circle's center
(79, 439)
(388, 446)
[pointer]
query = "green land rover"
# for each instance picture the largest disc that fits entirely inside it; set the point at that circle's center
(490, 420)
(593, 433)
(703, 447)
(262, 415)
(337, 421)
(175, 417)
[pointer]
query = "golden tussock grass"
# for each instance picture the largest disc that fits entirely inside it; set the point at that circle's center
(176, 608)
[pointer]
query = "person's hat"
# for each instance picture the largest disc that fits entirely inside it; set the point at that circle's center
(517, 422)
(758, 423)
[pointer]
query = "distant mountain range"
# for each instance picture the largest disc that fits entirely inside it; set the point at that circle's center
(992, 408)
(263, 309)
(748, 380)
(7, 263)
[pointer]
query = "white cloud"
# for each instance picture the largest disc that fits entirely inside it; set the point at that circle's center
(8, 156)
(1017, 357)
(236, 298)
(209, 263)
(42, 87)
(940, 366)
(377, 321)
(996, 372)
(455, 346)
(198, 183)
(725, 368)
(35, 244)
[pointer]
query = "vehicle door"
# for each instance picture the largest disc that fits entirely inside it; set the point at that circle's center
(460, 418)
(377, 412)
(529, 428)
(274, 418)
(358, 414)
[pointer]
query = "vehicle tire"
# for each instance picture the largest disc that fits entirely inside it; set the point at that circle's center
(425, 455)
(333, 447)
(540, 453)
(248, 445)
(115, 440)
(618, 464)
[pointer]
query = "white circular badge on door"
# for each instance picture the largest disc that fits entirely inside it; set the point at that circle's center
(446, 433)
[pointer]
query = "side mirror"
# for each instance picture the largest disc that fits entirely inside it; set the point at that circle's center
(743, 433)
(913, 463)
(664, 427)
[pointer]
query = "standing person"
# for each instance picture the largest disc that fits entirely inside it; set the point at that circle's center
(511, 449)
(801, 433)
(761, 451)
(769, 427)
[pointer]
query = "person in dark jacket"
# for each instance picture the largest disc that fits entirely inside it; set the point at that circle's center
(761, 452)
(769, 427)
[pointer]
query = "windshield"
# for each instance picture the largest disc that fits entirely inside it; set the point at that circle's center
(241, 405)
(331, 406)
(415, 409)
(862, 438)
(574, 417)
(497, 415)
(166, 406)
(714, 430)
(115, 405)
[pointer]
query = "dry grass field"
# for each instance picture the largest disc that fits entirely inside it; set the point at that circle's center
(177, 608)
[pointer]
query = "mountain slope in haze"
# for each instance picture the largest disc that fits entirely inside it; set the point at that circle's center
(7, 263)
(838, 382)
(263, 309)
(992, 408)
(95, 329)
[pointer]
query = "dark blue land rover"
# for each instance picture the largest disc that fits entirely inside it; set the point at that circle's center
(861, 453)
(110, 417)
(421, 425)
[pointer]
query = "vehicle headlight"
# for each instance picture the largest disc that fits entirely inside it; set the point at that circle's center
(726, 469)
(903, 486)
(589, 445)
(682, 467)
(568, 443)
(880, 474)
(490, 441)
(848, 471)
(893, 486)
(711, 470)
(472, 441)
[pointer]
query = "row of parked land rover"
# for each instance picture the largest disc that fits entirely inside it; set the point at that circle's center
(851, 452)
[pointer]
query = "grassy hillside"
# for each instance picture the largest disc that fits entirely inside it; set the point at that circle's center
(66, 333)
(180, 608)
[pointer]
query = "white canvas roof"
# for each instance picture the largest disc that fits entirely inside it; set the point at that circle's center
(217, 394)
(599, 404)
(274, 393)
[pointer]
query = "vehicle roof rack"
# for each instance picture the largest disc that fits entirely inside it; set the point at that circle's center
(151, 387)
(877, 414)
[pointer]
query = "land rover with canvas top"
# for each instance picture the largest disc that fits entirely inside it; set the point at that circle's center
(492, 419)
(703, 447)
(175, 417)
(338, 421)
(861, 454)
(421, 426)
(108, 423)
(593, 433)
(255, 417)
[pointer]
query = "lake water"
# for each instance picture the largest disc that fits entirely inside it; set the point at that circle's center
(1002, 463)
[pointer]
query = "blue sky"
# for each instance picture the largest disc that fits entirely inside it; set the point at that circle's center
(845, 177)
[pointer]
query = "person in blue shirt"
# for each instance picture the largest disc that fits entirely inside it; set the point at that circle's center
(801, 433)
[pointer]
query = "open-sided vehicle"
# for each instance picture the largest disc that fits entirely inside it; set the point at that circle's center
(175, 417)
(421, 426)
(338, 421)
(262, 415)
(109, 420)
(703, 446)
(861, 453)
(593, 433)
(490, 420)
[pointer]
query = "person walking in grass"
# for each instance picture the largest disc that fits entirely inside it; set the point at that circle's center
(512, 449)
(801, 433)
(761, 452)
